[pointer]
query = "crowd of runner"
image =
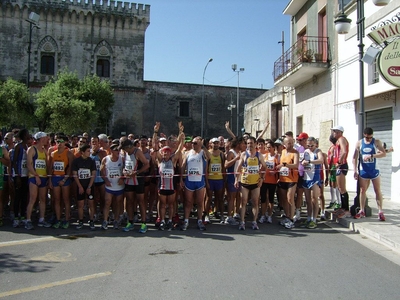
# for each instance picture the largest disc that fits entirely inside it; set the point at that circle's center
(166, 179)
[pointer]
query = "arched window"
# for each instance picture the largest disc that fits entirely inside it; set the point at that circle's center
(47, 64)
(103, 67)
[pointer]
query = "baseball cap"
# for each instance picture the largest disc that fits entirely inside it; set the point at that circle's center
(303, 136)
(166, 148)
(278, 142)
(213, 140)
(39, 135)
(163, 139)
(338, 127)
(188, 139)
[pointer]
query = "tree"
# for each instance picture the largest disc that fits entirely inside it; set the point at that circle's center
(16, 107)
(69, 104)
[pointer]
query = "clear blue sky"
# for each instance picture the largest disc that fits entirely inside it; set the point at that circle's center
(184, 34)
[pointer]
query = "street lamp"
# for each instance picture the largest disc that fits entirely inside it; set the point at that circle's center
(202, 100)
(342, 25)
(231, 106)
(234, 68)
(33, 19)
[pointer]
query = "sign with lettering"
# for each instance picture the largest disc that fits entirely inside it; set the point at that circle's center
(389, 63)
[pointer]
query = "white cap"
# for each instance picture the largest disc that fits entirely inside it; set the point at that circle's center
(338, 127)
(213, 140)
(39, 135)
(163, 139)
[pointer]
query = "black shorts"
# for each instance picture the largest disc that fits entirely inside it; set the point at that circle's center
(300, 182)
(99, 183)
(269, 188)
(84, 196)
(166, 192)
(250, 187)
(342, 169)
(286, 185)
(138, 189)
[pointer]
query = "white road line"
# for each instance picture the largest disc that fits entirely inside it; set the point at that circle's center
(53, 284)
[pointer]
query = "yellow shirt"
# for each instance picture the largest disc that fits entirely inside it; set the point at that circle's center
(251, 169)
(215, 168)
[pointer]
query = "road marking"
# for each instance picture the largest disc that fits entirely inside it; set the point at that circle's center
(29, 241)
(55, 257)
(53, 284)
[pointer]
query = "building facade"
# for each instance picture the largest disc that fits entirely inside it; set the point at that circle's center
(104, 38)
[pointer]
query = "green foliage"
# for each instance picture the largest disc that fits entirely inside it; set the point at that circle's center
(16, 107)
(69, 104)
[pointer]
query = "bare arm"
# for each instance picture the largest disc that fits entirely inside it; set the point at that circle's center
(229, 130)
(265, 129)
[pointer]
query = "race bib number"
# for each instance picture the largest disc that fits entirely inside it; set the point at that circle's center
(215, 168)
(253, 169)
(270, 165)
(114, 173)
(168, 173)
(284, 171)
(58, 166)
(40, 164)
(301, 156)
(83, 173)
(367, 159)
(194, 171)
(24, 168)
(129, 165)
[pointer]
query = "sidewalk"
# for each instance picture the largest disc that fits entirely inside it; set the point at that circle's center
(387, 233)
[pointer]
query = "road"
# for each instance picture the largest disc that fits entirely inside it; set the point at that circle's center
(219, 263)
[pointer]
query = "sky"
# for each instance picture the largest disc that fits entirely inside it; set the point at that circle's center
(184, 34)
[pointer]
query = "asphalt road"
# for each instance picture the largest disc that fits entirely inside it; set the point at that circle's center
(219, 263)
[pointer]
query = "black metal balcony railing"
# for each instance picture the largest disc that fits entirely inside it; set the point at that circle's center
(307, 49)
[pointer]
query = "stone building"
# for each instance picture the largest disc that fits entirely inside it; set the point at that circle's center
(105, 38)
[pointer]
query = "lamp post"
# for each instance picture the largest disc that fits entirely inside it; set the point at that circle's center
(234, 68)
(202, 100)
(33, 19)
(342, 26)
(231, 106)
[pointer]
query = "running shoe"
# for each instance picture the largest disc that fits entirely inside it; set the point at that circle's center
(304, 223)
(91, 225)
(104, 225)
(236, 216)
(158, 222)
(298, 215)
(29, 225)
(143, 228)
(284, 221)
(57, 224)
(231, 221)
(311, 225)
(344, 214)
(65, 225)
(44, 224)
(201, 225)
(185, 225)
(206, 219)
(254, 225)
(323, 218)
(169, 226)
(80, 225)
(289, 224)
(381, 216)
(162, 226)
(337, 206)
(262, 220)
(16, 223)
(116, 224)
(128, 227)
(269, 219)
(359, 215)
(242, 226)
(331, 205)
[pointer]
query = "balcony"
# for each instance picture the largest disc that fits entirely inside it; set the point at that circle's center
(309, 56)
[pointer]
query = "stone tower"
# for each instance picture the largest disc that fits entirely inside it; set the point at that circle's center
(90, 37)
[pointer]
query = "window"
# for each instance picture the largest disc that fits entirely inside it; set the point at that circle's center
(373, 74)
(184, 109)
(103, 68)
(47, 65)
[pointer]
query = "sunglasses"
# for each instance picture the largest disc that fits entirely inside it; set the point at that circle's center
(368, 138)
(310, 146)
(194, 143)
